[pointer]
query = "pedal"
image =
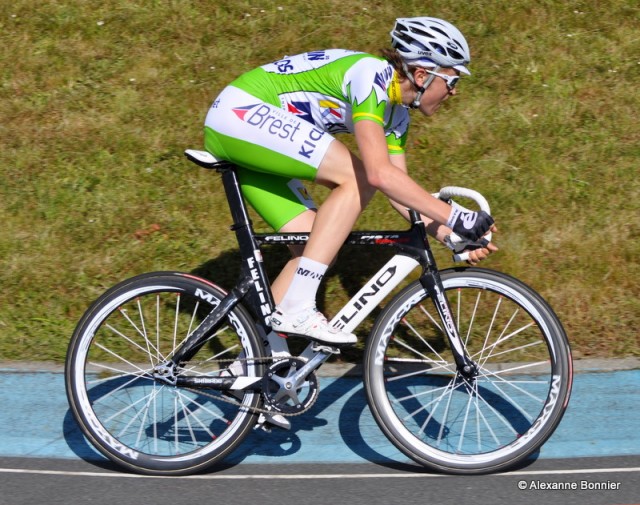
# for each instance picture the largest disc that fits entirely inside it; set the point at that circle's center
(267, 421)
(326, 349)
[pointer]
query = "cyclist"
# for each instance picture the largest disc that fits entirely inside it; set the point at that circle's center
(277, 122)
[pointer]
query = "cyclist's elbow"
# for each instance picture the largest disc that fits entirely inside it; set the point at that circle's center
(377, 179)
(381, 180)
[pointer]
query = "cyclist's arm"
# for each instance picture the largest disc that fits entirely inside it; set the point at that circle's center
(436, 230)
(391, 180)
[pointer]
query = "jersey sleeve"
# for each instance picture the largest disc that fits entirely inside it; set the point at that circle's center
(397, 130)
(366, 85)
(396, 145)
(366, 89)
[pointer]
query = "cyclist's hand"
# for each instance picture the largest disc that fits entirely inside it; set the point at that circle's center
(469, 224)
(472, 251)
(481, 253)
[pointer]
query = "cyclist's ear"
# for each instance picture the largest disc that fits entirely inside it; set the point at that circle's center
(419, 76)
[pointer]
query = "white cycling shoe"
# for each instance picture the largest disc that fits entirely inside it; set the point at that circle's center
(310, 323)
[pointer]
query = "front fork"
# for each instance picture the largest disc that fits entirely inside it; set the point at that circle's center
(432, 283)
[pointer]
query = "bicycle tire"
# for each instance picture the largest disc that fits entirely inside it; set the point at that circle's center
(143, 424)
(448, 424)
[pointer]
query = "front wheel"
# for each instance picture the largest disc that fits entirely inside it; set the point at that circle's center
(454, 424)
(121, 402)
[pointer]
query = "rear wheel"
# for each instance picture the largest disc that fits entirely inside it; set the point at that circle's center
(113, 382)
(451, 423)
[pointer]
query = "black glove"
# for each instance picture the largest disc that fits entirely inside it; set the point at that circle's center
(467, 223)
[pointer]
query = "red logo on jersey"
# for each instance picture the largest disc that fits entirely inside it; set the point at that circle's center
(241, 112)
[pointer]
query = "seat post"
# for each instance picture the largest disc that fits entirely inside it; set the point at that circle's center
(260, 298)
(232, 189)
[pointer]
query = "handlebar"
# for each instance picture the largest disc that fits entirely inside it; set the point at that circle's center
(449, 192)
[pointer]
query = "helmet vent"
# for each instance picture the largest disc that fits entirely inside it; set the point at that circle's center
(441, 32)
(455, 54)
(417, 31)
(439, 48)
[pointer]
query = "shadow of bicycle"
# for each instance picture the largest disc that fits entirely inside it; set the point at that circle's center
(339, 428)
(335, 419)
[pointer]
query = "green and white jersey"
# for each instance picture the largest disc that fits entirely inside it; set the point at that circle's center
(333, 89)
(277, 122)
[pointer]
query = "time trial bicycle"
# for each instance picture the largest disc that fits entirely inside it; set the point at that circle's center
(466, 370)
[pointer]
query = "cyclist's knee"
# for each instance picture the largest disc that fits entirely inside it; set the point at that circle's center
(349, 177)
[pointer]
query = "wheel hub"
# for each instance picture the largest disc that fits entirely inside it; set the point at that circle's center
(166, 372)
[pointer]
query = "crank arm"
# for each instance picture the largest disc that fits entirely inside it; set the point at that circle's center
(320, 357)
(221, 383)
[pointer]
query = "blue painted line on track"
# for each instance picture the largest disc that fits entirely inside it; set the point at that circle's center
(601, 420)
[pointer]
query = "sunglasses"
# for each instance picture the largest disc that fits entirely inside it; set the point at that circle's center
(451, 80)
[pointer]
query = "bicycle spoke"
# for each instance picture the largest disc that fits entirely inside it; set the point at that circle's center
(493, 320)
(187, 413)
(435, 322)
(128, 407)
(514, 349)
(131, 341)
(430, 392)
(466, 418)
(417, 334)
(404, 321)
(445, 417)
(142, 332)
(514, 385)
(504, 339)
(119, 357)
(175, 325)
(473, 314)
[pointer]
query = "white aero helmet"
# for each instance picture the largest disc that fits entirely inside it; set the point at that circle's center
(430, 42)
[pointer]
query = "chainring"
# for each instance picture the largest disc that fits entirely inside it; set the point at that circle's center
(281, 394)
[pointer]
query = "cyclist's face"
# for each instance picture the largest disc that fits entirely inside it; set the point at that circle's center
(436, 93)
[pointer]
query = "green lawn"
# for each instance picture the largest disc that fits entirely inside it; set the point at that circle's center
(98, 100)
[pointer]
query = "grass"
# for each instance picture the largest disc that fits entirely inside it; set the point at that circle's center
(99, 99)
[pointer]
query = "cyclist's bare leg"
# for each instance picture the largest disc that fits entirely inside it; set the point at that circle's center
(342, 171)
(301, 223)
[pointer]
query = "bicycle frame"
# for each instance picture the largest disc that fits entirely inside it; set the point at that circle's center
(253, 288)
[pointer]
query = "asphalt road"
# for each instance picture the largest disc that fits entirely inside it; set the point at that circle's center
(584, 481)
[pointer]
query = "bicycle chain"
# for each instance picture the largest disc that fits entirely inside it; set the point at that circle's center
(258, 410)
